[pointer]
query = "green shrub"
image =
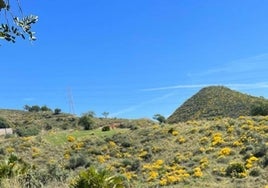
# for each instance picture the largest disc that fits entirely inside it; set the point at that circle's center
(77, 161)
(259, 109)
(264, 161)
(34, 108)
(47, 127)
(12, 166)
(235, 170)
(45, 109)
(255, 172)
(260, 150)
(87, 122)
(57, 111)
(106, 128)
(4, 123)
(102, 178)
(27, 131)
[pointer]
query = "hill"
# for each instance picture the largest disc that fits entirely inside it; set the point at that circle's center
(215, 101)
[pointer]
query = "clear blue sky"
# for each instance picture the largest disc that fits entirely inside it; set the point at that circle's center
(137, 58)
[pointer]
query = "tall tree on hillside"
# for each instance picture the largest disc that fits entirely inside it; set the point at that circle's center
(13, 23)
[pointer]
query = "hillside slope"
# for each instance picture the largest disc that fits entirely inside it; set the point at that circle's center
(220, 153)
(215, 101)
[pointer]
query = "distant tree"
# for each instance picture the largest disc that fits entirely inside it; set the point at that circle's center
(161, 119)
(105, 114)
(35, 108)
(27, 107)
(87, 122)
(57, 111)
(13, 23)
(45, 108)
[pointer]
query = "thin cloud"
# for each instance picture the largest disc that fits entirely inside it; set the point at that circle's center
(177, 87)
(192, 86)
(28, 99)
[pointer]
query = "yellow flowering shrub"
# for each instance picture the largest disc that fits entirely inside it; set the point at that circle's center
(250, 162)
(225, 151)
(35, 152)
(70, 138)
(101, 159)
(67, 156)
(181, 140)
(173, 175)
(237, 143)
(198, 172)
(130, 175)
(152, 175)
(204, 163)
(112, 144)
(175, 133)
(217, 139)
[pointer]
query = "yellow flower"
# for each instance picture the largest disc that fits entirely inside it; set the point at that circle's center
(250, 161)
(152, 175)
(163, 181)
(112, 144)
(101, 159)
(130, 175)
(67, 156)
(217, 139)
(225, 151)
(175, 133)
(237, 143)
(197, 172)
(172, 179)
(181, 140)
(70, 138)
(203, 162)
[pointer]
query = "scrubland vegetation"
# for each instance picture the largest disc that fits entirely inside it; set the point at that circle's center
(68, 151)
(224, 152)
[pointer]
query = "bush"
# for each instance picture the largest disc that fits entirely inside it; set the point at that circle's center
(255, 172)
(42, 177)
(13, 166)
(87, 122)
(235, 170)
(264, 161)
(77, 161)
(94, 178)
(106, 128)
(34, 108)
(45, 109)
(4, 123)
(259, 109)
(27, 131)
(57, 111)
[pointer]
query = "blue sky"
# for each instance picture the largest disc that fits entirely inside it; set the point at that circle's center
(134, 59)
